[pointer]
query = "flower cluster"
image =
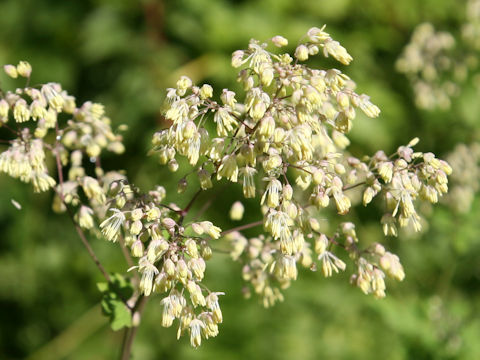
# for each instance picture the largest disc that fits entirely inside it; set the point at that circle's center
(371, 268)
(47, 123)
(465, 160)
(171, 257)
(428, 63)
(25, 160)
(437, 62)
(284, 140)
(406, 176)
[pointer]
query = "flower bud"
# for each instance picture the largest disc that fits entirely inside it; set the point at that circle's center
(24, 69)
(237, 58)
(184, 83)
(301, 52)
(236, 211)
(279, 41)
(173, 165)
(314, 224)
(205, 179)
(206, 91)
(153, 213)
(169, 267)
(136, 214)
(3, 110)
(287, 192)
(318, 176)
(11, 71)
(137, 248)
(169, 223)
(197, 228)
(189, 129)
(136, 227)
(191, 247)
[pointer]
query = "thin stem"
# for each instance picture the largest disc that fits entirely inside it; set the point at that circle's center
(90, 251)
(243, 227)
(353, 186)
(243, 123)
(169, 208)
(79, 230)
(299, 168)
(187, 208)
(132, 332)
(209, 202)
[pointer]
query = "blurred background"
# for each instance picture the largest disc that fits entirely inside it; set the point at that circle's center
(124, 53)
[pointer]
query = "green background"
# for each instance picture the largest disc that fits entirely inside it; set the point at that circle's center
(124, 53)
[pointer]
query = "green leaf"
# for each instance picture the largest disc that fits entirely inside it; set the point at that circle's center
(106, 306)
(115, 294)
(121, 286)
(121, 316)
(102, 286)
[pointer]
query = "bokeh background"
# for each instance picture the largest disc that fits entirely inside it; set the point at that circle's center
(124, 53)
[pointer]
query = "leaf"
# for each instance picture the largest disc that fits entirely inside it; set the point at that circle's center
(102, 286)
(121, 286)
(115, 294)
(121, 316)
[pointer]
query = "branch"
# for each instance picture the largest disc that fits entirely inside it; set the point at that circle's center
(187, 208)
(345, 188)
(242, 227)
(79, 230)
(130, 333)
(88, 247)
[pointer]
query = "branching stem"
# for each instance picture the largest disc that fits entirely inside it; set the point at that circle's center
(79, 230)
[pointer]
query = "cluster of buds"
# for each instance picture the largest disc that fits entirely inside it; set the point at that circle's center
(171, 257)
(25, 160)
(372, 264)
(33, 115)
(48, 124)
(426, 60)
(23, 69)
(401, 179)
(438, 62)
(285, 141)
(465, 179)
(265, 268)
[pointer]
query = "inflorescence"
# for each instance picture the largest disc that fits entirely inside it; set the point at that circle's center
(283, 139)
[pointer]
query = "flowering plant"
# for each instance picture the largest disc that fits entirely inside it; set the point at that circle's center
(284, 139)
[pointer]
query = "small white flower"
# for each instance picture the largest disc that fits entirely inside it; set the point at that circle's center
(111, 226)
